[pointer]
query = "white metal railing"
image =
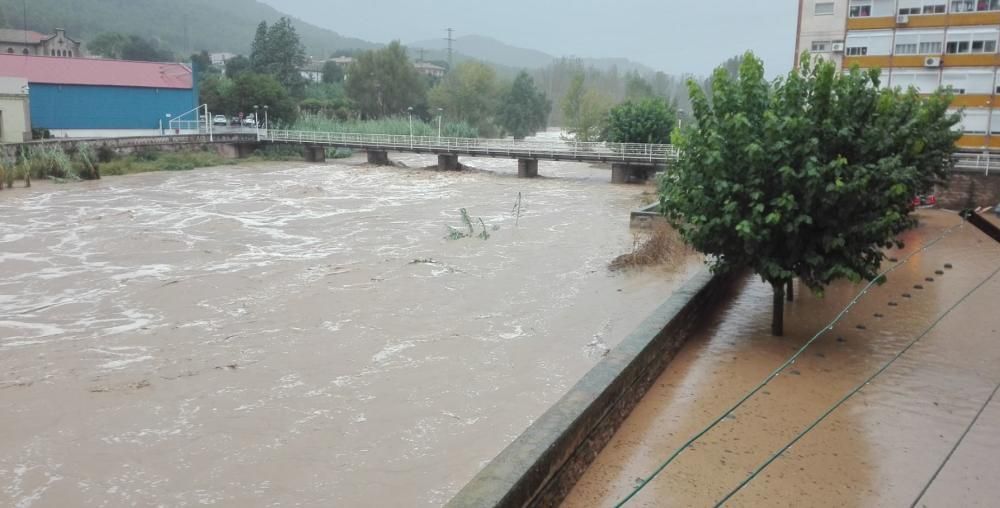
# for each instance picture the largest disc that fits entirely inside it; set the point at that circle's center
(544, 149)
(197, 120)
(984, 162)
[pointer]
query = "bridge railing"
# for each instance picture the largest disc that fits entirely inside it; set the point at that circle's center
(625, 152)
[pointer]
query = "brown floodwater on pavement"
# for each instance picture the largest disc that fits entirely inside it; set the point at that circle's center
(878, 449)
(299, 335)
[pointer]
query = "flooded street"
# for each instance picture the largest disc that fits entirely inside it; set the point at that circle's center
(295, 335)
(880, 447)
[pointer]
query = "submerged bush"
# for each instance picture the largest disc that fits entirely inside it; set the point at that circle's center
(399, 126)
(47, 162)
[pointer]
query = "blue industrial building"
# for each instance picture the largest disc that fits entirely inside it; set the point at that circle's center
(78, 97)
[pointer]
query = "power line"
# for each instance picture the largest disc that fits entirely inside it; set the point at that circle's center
(791, 360)
(957, 444)
(855, 391)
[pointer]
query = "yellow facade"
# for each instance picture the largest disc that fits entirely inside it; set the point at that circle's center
(872, 41)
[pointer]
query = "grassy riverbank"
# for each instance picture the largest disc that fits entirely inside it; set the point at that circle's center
(393, 126)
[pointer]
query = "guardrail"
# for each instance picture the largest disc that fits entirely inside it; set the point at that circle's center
(977, 162)
(531, 149)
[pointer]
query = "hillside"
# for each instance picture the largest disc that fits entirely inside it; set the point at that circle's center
(183, 25)
(506, 55)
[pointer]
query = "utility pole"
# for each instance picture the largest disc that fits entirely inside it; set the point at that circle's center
(451, 48)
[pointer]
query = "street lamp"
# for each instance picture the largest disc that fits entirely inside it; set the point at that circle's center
(680, 115)
(266, 122)
(440, 115)
(409, 111)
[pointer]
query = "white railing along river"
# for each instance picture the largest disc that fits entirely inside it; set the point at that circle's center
(509, 148)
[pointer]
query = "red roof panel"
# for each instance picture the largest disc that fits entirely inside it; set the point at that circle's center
(86, 71)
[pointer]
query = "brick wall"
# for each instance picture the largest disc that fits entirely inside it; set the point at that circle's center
(970, 190)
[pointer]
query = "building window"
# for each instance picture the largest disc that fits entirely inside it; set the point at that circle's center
(919, 42)
(820, 46)
(966, 42)
(825, 8)
(856, 51)
(869, 43)
(860, 8)
(10, 50)
(918, 7)
(922, 81)
(968, 81)
(975, 5)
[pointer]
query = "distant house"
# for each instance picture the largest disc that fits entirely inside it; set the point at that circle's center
(15, 121)
(313, 71)
(429, 69)
(81, 97)
(343, 61)
(220, 59)
(27, 42)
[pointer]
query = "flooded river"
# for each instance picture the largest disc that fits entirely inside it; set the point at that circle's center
(882, 446)
(295, 335)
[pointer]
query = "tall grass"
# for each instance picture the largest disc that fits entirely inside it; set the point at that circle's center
(394, 126)
(146, 161)
(47, 162)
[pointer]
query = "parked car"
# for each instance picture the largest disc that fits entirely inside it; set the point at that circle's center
(250, 121)
(928, 201)
(220, 120)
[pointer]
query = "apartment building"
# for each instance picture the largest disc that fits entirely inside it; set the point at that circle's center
(927, 44)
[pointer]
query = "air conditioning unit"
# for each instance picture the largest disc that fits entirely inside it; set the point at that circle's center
(932, 62)
(902, 19)
(837, 47)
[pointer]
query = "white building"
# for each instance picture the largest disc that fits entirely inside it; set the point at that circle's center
(15, 116)
(429, 69)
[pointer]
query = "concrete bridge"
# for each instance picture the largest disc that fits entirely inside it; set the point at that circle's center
(627, 160)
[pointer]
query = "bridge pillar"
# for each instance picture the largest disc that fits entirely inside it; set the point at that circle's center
(620, 173)
(527, 168)
(378, 158)
(236, 150)
(448, 162)
(315, 153)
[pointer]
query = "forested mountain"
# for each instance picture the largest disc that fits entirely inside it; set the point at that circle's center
(185, 26)
(505, 55)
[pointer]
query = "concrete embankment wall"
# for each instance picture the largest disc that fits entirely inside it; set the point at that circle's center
(543, 464)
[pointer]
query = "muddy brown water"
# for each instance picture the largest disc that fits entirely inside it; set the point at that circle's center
(295, 335)
(878, 449)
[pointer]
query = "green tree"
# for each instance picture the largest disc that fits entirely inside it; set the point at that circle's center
(216, 91)
(470, 94)
(810, 176)
(650, 120)
(637, 88)
(332, 73)
(524, 109)
(573, 101)
(202, 63)
(108, 45)
(278, 51)
(139, 49)
(261, 90)
(383, 83)
(590, 121)
(237, 65)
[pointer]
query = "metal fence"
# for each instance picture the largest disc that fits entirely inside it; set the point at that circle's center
(540, 149)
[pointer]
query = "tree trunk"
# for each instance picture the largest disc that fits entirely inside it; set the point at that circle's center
(790, 292)
(778, 319)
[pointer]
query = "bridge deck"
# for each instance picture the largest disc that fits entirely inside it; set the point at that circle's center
(506, 148)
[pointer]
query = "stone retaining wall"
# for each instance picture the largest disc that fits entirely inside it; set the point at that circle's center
(541, 467)
(970, 190)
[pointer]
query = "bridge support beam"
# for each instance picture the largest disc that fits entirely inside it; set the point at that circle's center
(527, 168)
(315, 153)
(448, 162)
(378, 158)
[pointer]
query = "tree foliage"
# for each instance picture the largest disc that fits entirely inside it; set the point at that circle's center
(277, 51)
(332, 73)
(810, 176)
(384, 83)
(240, 95)
(128, 47)
(524, 109)
(637, 88)
(470, 94)
(237, 65)
(573, 100)
(649, 120)
(590, 122)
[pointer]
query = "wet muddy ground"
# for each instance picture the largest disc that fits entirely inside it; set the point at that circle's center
(295, 335)
(882, 446)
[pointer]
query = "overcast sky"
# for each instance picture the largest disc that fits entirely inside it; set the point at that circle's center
(675, 36)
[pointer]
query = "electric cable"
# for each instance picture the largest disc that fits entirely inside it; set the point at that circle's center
(856, 389)
(791, 360)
